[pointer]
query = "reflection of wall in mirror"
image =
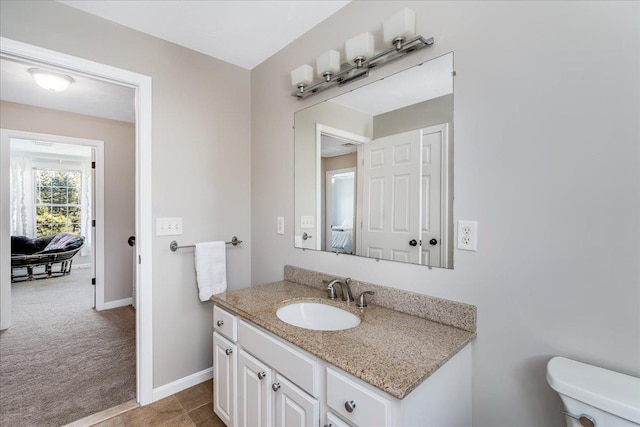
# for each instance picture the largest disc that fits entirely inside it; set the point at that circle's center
(328, 114)
(428, 113)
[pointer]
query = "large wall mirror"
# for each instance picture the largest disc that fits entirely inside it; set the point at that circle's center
(374, 169)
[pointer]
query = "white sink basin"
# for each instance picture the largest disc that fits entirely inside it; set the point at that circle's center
(319, 317)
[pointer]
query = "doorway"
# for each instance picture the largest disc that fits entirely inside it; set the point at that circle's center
(64, 194)
(143, 223)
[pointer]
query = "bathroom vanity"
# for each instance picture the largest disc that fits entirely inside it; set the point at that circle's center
(393, 369)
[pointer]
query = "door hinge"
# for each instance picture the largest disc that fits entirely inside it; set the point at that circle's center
(139, 259)
(93, 281)
(93, 165)
(93, 222)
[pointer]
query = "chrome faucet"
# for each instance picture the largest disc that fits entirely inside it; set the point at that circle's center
(344, 287)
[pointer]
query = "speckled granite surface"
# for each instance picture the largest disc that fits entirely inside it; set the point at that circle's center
(454, 313)
(392, 351)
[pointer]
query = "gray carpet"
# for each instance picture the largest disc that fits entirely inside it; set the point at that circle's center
(61, 360)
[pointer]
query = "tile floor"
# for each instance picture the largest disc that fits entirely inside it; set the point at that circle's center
(190, 407)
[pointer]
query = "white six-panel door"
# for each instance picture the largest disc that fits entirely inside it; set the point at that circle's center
(402, 206)
(391, 199)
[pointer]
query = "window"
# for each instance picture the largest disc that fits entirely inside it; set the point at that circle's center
(57, 201)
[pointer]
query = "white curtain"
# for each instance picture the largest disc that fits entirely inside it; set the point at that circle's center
(85, 208)
(23, 211)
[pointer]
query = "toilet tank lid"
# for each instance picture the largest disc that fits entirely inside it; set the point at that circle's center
(613, 392)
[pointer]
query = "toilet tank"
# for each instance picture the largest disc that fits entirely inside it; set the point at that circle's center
(608, 391)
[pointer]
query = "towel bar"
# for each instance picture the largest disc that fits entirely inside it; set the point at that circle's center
(174, 245)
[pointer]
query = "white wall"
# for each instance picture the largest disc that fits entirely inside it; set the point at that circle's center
(200, 155)
(546, 159)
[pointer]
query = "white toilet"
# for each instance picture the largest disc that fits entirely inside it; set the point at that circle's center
(595, 396)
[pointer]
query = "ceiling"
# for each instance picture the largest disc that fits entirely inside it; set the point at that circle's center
(244, 33)
(85, 96)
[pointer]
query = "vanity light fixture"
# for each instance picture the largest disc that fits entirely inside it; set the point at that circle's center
(398, 28)
(301, 77)
(328, 64)
(398, 31)
(359, 48)
(51, 81)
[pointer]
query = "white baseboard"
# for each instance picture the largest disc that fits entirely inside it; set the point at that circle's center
(115, 304)
(182, 384)
(81, 266)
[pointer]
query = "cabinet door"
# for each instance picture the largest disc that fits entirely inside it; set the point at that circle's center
(224, 366)
(294, 407)
(255, 401)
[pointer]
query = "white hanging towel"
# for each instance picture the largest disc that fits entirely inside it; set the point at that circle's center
(211, 268)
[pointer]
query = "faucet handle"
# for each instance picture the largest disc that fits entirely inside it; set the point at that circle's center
(362, 303)
(331, 288)
(332, 292)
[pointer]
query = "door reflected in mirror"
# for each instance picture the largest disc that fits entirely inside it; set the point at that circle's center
(373, 169)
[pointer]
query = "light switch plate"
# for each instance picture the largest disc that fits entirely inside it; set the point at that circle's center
(168, 226)
(280, 225)
(306, 222)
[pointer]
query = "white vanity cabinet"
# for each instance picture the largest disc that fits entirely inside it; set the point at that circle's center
(259, 380)
(266, 381)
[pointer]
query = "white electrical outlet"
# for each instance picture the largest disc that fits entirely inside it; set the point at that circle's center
(168, 226)
(468, 235)
(306, 222)
(280, 225)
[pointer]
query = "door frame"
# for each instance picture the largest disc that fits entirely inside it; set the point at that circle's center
(5, 137)
(342, 134)
(445, 242)
(12, 49)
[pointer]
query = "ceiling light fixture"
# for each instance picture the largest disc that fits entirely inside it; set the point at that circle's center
(51, 81)
(398, 30)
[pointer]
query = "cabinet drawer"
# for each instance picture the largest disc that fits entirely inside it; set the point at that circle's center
(369, 407)
(225, 323)
(284, 358)
(334, 421)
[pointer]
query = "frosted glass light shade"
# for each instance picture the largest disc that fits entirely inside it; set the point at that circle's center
(359, 46)
(401, 24)
(328, 62)
(302, 75)
(51, 81)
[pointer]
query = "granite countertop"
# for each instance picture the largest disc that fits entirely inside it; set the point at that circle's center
(390, 350)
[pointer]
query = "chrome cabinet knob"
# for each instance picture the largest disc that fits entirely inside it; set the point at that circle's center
(220, 322)
(228, 351)
(275, 386)
(261, 375)
(349, 405)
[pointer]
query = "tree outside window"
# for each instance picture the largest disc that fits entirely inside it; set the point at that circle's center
(57, 201)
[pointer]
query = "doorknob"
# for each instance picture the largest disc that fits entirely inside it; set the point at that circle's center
(305, 236)
(131, 240)
(413, 242)
(433, 242)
